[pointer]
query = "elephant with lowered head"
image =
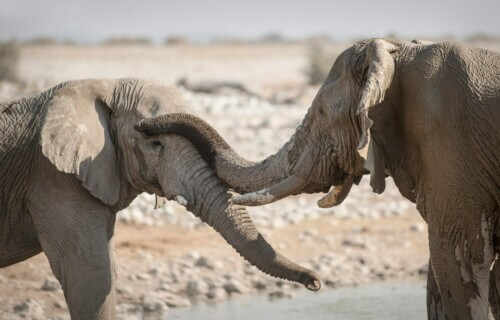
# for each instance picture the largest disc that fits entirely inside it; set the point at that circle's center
(70, 158)
(426, 114)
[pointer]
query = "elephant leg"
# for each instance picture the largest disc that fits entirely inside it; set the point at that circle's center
(461, 255)
(80, 252)
(495, 289)
(435, 309)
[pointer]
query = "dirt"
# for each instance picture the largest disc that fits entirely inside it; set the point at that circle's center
(139, 247)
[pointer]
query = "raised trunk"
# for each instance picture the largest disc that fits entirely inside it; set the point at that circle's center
(210, 203)
(238, 173)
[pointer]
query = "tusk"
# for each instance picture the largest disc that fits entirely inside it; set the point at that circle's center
(337, 194)
(180, 200)
(159, 201)
(285, 188)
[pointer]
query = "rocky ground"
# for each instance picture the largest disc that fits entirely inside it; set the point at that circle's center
(162, 267)
(168, 258)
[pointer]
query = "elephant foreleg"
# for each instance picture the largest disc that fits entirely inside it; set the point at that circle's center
(80, 252)
(495, 288)
(435, 309)
(461, 260)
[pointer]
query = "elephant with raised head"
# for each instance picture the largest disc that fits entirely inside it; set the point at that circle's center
(70, 158)
(426, 114)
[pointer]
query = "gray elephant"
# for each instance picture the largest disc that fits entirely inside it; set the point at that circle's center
(426, 114)
(70, 158)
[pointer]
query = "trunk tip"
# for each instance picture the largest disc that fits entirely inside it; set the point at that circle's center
(311, 281)
(314, 285)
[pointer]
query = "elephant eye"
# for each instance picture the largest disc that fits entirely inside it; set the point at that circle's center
(155, 144)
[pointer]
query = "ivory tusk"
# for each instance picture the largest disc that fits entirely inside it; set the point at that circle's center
(337, 194)
(159, 202)
(180, 200)
(285, 188)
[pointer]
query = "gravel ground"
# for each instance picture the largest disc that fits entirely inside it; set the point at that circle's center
(163, 267)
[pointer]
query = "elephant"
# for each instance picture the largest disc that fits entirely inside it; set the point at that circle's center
(72, 157)
(426, 114)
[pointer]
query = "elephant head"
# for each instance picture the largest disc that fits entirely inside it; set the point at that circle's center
(90, 130)
(332, 146)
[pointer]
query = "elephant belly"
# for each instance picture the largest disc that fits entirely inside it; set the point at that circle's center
(18, 238)
(14, 253)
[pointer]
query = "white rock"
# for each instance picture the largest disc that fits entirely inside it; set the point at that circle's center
(127, 311)
(194, 255)
(234, 286)
(50, 284)
(153, 302)
(60, 304)
(205, 262)
(31, 308)
(277, 222)
(259, 284)
(217, 294)
(196, 288)
(278, 294)
(417, 227)
(144, 276)
(125, 290)
(164, 287)
(174, 301)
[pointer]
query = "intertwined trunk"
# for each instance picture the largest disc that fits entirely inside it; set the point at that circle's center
(294, 169)
(184, 175)
(234, 223)
(238, 173)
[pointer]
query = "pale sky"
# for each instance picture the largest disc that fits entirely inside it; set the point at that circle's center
(94, 20)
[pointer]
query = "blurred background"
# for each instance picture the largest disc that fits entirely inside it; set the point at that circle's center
(251, 69)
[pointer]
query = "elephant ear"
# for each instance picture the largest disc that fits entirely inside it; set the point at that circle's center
(76, 138)
(378, 79)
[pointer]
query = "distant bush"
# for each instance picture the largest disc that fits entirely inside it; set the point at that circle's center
(319, 63)
(127, 41)
(42, 41)
(175, 40)
(482, 37)
(272, 37)
(9, 57)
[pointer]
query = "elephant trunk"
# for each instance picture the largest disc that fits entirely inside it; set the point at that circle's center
(236, 172)
(209, 201)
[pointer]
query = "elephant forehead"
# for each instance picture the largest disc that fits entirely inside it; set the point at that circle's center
(160, 100)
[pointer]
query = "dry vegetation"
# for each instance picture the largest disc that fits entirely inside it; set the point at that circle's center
(9, 57)
(319, 62)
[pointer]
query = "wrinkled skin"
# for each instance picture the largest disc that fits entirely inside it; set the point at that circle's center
(70, 158)
(426, 114)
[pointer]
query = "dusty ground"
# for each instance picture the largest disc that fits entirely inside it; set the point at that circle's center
(400, 243)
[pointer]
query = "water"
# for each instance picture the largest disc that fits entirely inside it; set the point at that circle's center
(374, 301)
